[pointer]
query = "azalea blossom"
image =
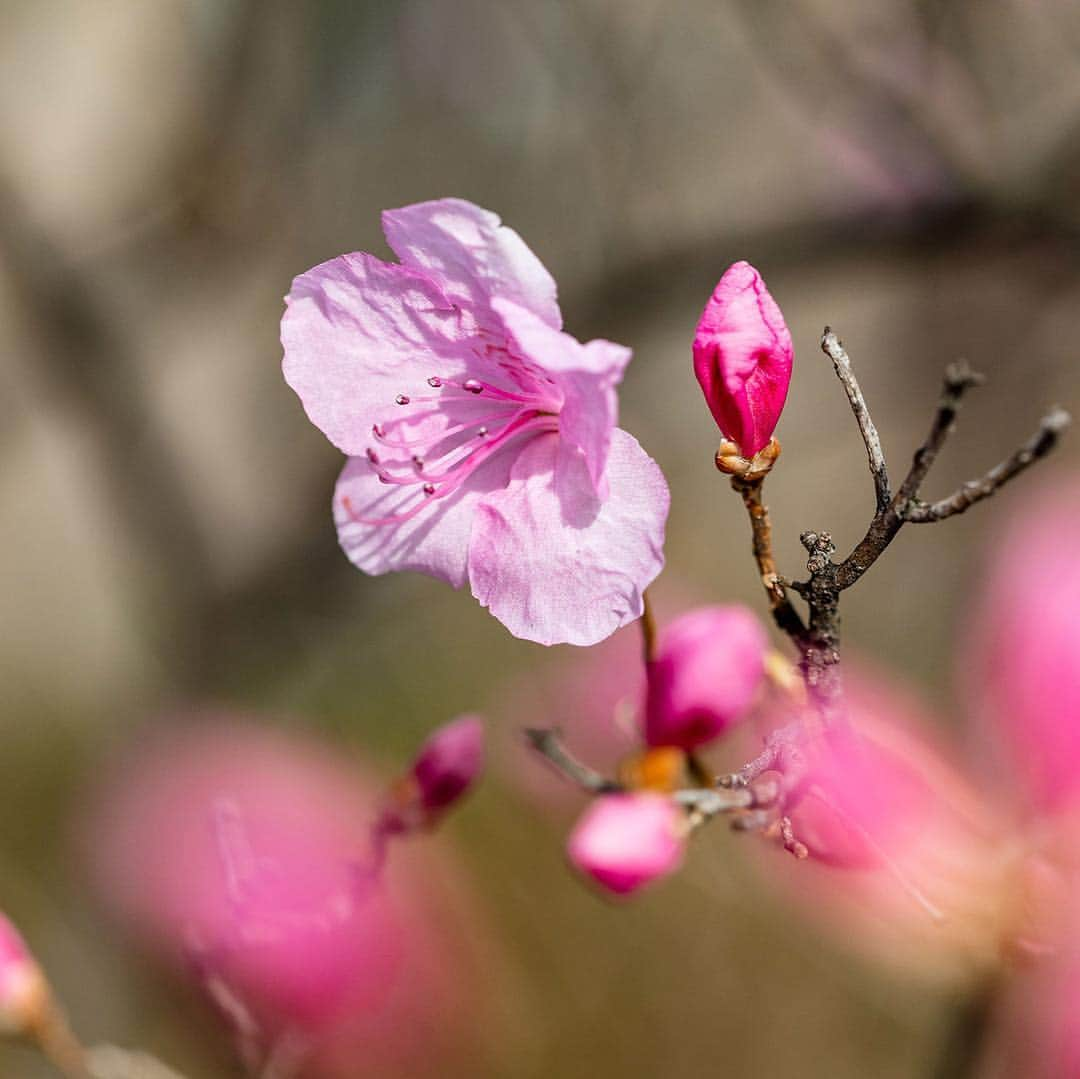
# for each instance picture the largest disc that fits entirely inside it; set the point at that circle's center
(742, 358)
(242, 856)
(481, 438)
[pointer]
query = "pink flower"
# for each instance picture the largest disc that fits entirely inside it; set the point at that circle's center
(23, 991)
(742, 358)
(907, 857)
(481, 438)
(1021, 669)
(449, 762)
(625, 841)
(245, 853)
(707, 670)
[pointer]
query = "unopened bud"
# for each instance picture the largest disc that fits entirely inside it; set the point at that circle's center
(705, 676)
(449, 762)
(625, 841)
(742, 358)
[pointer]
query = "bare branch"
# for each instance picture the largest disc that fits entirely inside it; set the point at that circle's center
(834, 349)
(548, 743)
(784, 614)
(959, 378)
(1039, 445)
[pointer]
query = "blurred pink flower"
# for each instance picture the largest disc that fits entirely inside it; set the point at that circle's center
(707, 671)
(1020, 670)
(742, 358)
(23, 991)
(625, 841)
(907, 858)
(449, 762)
(244, 853)
(482, 439)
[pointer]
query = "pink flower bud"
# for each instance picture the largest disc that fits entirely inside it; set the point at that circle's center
(23, 991)
(625, 841)
(703, 680)
(742, 358)
(449, 762)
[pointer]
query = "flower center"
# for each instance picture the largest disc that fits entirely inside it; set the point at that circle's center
(431, 443)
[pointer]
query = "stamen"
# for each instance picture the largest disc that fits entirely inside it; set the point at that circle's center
(434, 382)
(372, 456)
(429, 488)
(418, 462)
(473, 385)
(401, 399)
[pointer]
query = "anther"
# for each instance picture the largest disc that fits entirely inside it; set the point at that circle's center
(383, 477)
(401, 399)
(473, 385)
(372, 456)
(377, 431)
(429, 488)
(483, 432)
(434, 382)
(418, 462)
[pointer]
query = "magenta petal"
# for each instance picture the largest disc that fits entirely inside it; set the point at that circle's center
(555, 563)
(742, 358)
(356, 333)
(473, 256)
(434, 541)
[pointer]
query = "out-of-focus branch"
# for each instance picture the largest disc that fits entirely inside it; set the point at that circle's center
(549, 745)
(91, 369)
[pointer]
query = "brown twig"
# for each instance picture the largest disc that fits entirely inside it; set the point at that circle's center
(648, 629)
(548, 744)
(784, 614)
(1038, 446)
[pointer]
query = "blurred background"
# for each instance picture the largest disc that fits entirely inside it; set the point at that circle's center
(907, 171)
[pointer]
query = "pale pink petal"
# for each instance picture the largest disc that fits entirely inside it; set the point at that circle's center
(553, 562)
(356, 333)
(434, 541)
(473, 256)
(587, 376)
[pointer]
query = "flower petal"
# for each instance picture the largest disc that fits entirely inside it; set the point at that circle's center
(586, 374)
(473, 256)
(555, 563)
(357, 332)
(434, 541)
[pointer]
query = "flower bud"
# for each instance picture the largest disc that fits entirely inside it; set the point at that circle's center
(742, 358)
(23, 991)
(706, 672)
(449, 762)
(625, 841)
